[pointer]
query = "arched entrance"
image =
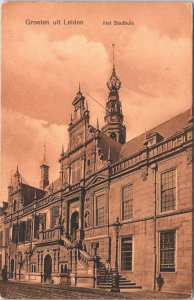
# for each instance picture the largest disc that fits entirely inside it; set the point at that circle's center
(47, 267)
(74, 225)
(11, 268)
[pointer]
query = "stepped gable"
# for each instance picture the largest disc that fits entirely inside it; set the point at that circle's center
(105, 142)
(28, 193)
(166, 129)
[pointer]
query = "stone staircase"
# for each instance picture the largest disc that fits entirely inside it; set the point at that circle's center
(123, 282)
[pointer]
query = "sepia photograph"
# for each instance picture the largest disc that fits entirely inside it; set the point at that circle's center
(96, 150)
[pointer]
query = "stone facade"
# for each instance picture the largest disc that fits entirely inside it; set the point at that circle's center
(63, 232)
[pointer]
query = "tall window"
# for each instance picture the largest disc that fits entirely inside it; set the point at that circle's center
(127, 202)
(54, 215)
(76, 171)
(36, 226)
(126, 253)
(42, 220)
(100, 210)
(167, 251)
(22, 232)
(29, 230)
(168, 190)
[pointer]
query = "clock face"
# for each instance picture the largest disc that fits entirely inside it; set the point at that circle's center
(114, 119)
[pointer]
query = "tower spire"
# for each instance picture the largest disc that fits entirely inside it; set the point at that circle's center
(113, 55)
(114, 127)
(44, 159)
(44, 172)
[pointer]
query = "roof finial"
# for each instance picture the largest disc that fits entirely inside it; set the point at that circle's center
(86, 104)
(113, 55)
(62, 151)
(44, 153)
(17, 170)
(97, 124)
(79, 88)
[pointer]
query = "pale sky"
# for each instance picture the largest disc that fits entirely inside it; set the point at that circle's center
(42, 66)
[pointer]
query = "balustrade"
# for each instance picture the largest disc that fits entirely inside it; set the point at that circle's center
(51, 234)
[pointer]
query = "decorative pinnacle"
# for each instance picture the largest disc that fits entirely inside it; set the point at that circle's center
(114, 82)
(79, 91)
(62, 151)
(17, 170)
(113, 55)
(86, 104)
(44, 157)
(97, 124)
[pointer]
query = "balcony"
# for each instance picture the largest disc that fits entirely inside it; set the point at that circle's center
(50, 235)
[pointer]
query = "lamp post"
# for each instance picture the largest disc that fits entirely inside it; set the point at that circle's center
(115, 276)
(20, 264)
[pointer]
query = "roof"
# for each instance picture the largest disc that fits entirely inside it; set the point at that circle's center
(106, 142)
(166, 129)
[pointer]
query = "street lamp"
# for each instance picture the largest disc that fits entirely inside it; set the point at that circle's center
(115, 276)
(20, 264)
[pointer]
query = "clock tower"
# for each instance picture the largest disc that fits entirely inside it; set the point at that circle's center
(114, 127)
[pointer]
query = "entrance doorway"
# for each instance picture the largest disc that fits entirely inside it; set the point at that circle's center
(74, 225)
(47, 268)
(12, 268)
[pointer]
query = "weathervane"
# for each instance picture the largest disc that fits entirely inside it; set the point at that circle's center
(114, 82)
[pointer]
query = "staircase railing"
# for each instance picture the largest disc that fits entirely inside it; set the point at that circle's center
(85, 258)
(67, 243)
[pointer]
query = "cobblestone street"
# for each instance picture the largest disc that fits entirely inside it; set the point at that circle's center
(30, 291)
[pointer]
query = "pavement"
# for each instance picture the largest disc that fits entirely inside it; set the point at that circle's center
(15, 290)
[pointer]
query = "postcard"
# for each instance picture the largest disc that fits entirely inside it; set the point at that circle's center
(96, 150)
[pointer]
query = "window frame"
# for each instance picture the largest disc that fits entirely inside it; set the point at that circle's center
(132, 256)
(160, 191)
(51, 214)
(101, 192)
(175, 250)
(121, 195)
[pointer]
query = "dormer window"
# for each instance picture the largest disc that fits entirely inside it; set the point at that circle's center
(153, 138)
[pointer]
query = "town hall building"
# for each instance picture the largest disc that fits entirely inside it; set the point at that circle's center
(64, 232)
